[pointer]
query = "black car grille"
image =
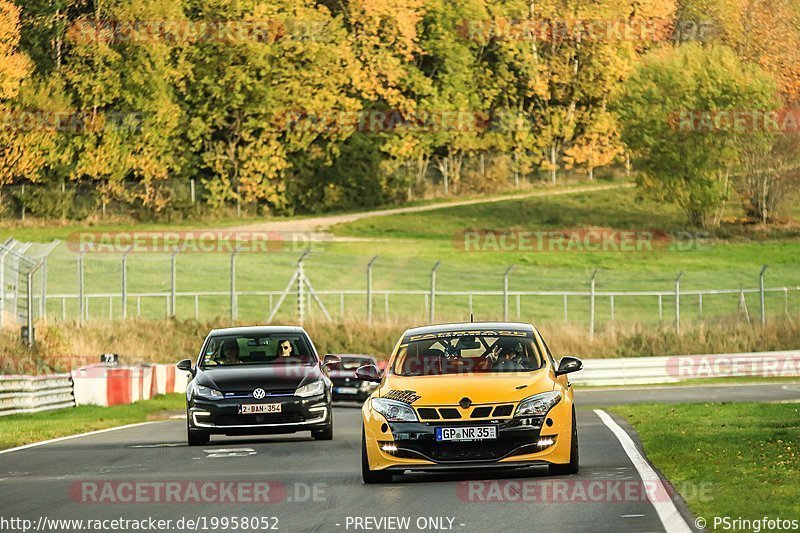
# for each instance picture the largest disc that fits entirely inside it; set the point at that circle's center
(451, 413)
(267, 418)
(449, 452)
(249, 393)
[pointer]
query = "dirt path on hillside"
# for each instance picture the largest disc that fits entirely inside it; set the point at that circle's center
(323, 223)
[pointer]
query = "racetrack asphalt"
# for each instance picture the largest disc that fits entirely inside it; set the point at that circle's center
(316, 485)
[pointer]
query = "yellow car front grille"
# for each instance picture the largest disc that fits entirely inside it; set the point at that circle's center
(476, 412)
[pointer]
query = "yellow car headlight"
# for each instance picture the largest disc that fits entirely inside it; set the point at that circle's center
(538, 405)
(394, 411)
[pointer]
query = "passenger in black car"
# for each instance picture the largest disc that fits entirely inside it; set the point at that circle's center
(285, 348)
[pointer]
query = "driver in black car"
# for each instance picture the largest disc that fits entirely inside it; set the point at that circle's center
(230, 352)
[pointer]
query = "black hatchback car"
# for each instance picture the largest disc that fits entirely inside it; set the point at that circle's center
(258, 380)
(346, 385)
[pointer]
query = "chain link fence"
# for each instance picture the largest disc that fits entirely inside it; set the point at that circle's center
(292, 287)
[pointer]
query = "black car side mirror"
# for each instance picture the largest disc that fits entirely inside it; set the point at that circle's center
(568, 365)
(331, 359)
(368, 373)
(186, 365)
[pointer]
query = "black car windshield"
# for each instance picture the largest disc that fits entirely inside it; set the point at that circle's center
(271, 349)
(468, 355)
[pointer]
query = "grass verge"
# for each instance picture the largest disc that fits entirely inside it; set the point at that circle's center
(735, 460)
(18, 430)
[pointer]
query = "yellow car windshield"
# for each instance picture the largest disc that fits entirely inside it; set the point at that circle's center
(468, 355)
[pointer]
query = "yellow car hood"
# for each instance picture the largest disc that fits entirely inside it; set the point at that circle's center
(479, 388)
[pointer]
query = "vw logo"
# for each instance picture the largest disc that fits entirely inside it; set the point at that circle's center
(259, 394)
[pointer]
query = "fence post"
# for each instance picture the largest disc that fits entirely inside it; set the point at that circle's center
(125, 283)
(301, 281)
(173, 283)
(2, 285)
(678, 302)
(505, 292)
(29, 318)
(81, 301)
(233, 284)
(432, 311)
(786, 301)
(591, 304)
(761, 291)
(43, 300)
(369, 288)
(566, 310)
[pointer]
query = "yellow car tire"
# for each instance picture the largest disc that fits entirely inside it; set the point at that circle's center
(574, 456)
(371, 476)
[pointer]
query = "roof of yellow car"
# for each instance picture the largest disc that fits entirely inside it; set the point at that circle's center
(469, 326)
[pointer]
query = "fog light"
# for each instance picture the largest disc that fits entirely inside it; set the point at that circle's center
(545, 442)
(389, 448)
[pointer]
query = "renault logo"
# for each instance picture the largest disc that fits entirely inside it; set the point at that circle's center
(465, 402)
(259, 394)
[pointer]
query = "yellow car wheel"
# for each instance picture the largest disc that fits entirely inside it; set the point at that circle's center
(574, 457)
(371, 476)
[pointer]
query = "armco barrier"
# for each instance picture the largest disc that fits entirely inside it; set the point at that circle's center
(31, 394)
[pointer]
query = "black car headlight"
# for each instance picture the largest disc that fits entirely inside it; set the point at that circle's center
(315, 388)
(206, 393)
(538, 405)
(394, 411)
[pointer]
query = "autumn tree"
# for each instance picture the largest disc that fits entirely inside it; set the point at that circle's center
(256, 97)
(15, 158)
(677, 119)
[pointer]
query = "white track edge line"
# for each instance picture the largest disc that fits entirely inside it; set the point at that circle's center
(69, 437)
(669, 515)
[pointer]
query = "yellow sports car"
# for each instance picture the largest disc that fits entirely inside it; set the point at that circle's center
(467, 396)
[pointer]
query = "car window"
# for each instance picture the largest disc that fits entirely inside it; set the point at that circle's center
(272, 349)
(547, 350)
(468, 354)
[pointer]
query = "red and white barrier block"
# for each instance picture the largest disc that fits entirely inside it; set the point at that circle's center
(100, 384)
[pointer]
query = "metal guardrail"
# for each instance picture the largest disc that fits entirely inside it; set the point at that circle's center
(32, 394)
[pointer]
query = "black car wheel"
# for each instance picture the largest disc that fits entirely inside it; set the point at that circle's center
(195, 437)
(371, 476)
(574, 457)
(324, 434)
